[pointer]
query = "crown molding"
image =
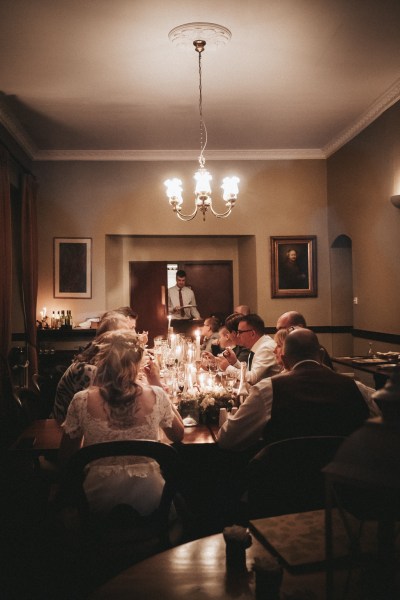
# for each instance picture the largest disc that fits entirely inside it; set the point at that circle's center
(175, 155)
(13, 126)
(29, 147)
(371, 114)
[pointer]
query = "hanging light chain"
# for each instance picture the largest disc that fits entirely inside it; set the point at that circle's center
(199, 46)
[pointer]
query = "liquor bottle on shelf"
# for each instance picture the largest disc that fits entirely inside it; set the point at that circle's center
(53, 320)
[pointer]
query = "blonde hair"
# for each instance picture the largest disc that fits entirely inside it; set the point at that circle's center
(280, 336)
(118, 362)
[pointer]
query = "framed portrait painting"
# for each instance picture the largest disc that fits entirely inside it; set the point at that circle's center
(72, 267)
(294, 266)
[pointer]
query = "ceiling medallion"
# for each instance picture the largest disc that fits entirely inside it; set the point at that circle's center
(214, 35)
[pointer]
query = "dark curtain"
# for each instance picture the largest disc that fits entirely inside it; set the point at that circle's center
(29, 255)
(5, 269)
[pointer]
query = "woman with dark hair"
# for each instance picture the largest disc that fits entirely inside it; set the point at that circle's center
(117, 407)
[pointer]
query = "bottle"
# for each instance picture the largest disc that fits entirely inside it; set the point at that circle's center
(58, 320)
(62, 319)
(223, 415)
(242, 390)
(53, 319)
(371, 353)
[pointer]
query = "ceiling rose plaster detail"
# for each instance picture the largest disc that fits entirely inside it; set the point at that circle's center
(214, 35)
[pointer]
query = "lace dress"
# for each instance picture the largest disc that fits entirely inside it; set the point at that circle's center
(121, 480)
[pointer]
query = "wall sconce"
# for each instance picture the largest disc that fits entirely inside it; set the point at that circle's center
(395, 200)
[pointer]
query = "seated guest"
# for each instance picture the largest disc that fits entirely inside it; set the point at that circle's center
(117, 407)
(128, 312)
(310, 399)
(279, 339)
(209, 333)
(261, 360)
(80, 373)
(228, 338)
(242, 309)
(296, 319)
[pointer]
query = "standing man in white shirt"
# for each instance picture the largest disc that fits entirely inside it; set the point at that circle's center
(261, 362)
(181, 299)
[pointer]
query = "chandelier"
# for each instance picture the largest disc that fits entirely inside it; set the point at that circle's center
(203, 200)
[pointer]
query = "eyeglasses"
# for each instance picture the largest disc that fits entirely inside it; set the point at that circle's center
(240, 331)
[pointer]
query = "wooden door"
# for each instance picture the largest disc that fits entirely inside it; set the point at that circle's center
(212, 283)
(148, 296)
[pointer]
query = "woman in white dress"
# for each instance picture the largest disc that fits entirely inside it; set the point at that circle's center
(117, 407)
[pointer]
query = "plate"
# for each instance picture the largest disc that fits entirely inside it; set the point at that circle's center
(369, 361)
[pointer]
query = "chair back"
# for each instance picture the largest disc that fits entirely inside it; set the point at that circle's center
(72, 493)
(285, 477)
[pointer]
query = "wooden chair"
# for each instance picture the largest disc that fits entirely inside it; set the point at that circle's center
(155, 526)
(285, 477)
(107, 544)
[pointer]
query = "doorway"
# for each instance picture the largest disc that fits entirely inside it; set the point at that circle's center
(211, 281)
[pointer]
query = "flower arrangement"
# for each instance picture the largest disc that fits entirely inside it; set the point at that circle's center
(208, 402)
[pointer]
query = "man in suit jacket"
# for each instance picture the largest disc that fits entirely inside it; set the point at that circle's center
(310, 399)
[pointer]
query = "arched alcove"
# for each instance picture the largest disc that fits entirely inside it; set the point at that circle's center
(342, 293)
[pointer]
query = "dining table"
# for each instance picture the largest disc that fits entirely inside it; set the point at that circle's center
(380, 368)
(199, 570)
(43, 436)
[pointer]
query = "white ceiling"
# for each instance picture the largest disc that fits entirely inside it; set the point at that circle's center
(100, 78)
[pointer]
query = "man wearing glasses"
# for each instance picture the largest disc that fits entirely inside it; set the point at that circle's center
(261, 362)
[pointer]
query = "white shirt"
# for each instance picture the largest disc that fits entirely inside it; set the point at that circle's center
(263, 364)
(188, 299)
(246, 426)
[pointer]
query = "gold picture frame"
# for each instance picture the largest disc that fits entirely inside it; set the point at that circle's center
(72, 267)
(294, 266)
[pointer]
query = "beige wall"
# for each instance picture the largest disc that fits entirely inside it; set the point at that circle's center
(361, 178)
(104, 200)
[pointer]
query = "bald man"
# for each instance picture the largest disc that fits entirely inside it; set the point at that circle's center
(242, 309)
(293, 318)
(310, 399)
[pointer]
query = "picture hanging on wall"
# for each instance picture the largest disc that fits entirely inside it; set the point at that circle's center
(72, 267)
(294, 266)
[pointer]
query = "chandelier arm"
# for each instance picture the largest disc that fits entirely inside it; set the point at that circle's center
(183, 217)
(221, 215)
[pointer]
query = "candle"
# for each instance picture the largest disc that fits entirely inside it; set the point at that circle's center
(197, 344)
(172, 341)
(202, 381)
(190, 354)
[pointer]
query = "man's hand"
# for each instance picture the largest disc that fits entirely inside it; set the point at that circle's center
(230, 356)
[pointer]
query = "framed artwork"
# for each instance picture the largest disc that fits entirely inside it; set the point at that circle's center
(72, 267)
(294, 266)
